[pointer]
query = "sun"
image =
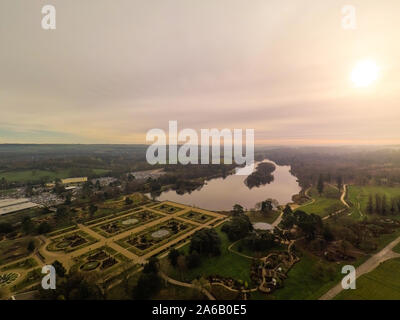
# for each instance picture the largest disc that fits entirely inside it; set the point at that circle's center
(365, 73)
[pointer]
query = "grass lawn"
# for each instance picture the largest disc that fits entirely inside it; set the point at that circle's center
(383, 283)
(24, 264)
(37, 175)
(324, 204)
(397, 248)
(11, 250)
(227, 264)
(33, 175)
(238, 247)
(357, 197)
(256, 216)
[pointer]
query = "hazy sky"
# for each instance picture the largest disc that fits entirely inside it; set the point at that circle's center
(112, 70)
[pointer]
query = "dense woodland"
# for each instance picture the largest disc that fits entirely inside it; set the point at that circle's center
(356, 165)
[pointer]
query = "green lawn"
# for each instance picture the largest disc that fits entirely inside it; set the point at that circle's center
(256, 216)
(37, 175)
(33, 175)
(357, 197)
(227, 264)
(397, 248)
(11, 250)
(324, 204)
(383, 283)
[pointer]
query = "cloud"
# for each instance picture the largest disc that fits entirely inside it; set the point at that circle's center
(113, 70)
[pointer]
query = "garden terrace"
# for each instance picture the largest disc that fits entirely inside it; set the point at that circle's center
(104, 259)
(197, 216)
(8, 278)
(153, 237)
(111, 228)
(11, 250)
(71, 242)
(168, 208)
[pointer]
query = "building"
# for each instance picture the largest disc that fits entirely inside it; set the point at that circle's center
(14, 205)
(74, 180)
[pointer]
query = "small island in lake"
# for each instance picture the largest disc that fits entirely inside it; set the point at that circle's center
(261, 176)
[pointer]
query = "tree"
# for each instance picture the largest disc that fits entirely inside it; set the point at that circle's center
(393, 206)
(60, 270)
(237, 210)
(266, 206)
(3, 183)
(6, 228)
(173, 256)
(339, 181)
(128, 201)
(27, 225)
(262, 240)
(31, 246)
(238, 227)
(370, 205)
(206, 241)
(181, 264)
(67, 199)
(28, 191)
(320, 185)
(74, 286)
(152, 266)
(43, 228)
(193, 260)
(92, 209)
(384, 204)
(287, 211)
(378, 204)
(147, 286)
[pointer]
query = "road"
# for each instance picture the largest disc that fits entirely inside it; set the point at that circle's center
(385, 254)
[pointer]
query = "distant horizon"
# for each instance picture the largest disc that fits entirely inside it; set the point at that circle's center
(112, 71)
(143, 144)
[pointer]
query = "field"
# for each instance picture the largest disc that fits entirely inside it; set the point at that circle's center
(24, 264)
(383, 283)
(325, 204)
(37, 175)
(11, 250)
(357, 197)
(256, 216)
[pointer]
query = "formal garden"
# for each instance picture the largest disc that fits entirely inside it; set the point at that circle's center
(168, 208)
(8, 278)
(153, 237)
(197, 216)
(111, 228)
(71, 242)
(101, 259)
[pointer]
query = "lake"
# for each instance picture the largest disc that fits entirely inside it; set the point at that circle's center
(222, 194)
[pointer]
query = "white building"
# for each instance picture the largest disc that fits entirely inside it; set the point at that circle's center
(14, 205)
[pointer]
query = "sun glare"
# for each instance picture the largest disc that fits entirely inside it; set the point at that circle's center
(365, 73)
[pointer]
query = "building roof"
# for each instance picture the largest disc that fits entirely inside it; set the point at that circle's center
(14, 205)
(74, 180)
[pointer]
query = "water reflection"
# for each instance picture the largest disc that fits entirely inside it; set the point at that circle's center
(223, 193)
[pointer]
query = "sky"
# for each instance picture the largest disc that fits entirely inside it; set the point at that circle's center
(112, 70)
